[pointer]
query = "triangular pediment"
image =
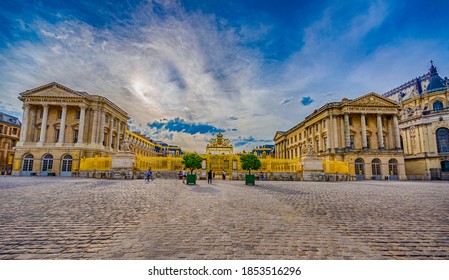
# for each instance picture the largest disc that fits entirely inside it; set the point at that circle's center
(372, 100)
(54, 90)
(278, 135)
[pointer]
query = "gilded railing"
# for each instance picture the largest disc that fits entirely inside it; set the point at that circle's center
(216, 163)
(95, 164)
(158, 163)
(337, 167)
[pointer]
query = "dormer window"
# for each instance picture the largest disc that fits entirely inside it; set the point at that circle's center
(438, 105)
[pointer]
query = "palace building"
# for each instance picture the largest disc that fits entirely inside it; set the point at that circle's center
(61, 126)
(424, 125)
(9, 136)
(403, 134)
(363, 132)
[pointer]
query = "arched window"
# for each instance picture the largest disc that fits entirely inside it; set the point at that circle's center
(66, 165)
(47, 162)
(359, 166)
(393, 166)
(442, 140)
(375, 165)
(27, 164)
(438, 105)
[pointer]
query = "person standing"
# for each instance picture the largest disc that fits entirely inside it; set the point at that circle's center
(209, 176)
(148, 175)
(223, 175)
(184, 176)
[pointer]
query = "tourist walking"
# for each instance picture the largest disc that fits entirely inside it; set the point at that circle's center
(209, 176)
(223, 175)
(148, 175)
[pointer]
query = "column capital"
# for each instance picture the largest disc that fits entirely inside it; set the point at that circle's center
(82, 106)
(45, 104)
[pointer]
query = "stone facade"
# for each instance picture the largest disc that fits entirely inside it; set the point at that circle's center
(61, 125)
(9, 136)
(424, 125)
(363, 132)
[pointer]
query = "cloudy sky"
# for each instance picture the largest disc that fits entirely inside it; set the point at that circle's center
(185, 70)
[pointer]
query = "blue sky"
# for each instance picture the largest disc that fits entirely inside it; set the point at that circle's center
(185, 70)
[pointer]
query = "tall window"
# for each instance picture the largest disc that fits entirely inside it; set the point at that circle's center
(375, 165)
(359, 166)
(57, 135)
(368, 142)
(27, 164)
(445, 166)
(351, 142)
(66, 163)
(393, 166)
(438, 105)
(442, 140)
(75, 136)
(47, 163)
(78, 115)
(1, 129)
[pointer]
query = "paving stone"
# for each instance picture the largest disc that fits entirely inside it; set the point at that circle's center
(75, 218)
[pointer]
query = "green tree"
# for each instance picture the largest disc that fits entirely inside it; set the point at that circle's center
(250, 162)
(192, 161)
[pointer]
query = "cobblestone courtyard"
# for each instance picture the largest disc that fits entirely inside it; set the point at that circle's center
(67, 218)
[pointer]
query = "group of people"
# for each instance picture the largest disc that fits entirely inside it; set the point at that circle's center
(183, 175)
(6, 172)
(211, 174)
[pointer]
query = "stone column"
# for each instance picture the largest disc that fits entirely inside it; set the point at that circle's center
(347, 135)
(93, 135)
(380, 135)
(330, 144)
(363, 122)
(102, 121)
(117, 140)
(31, 135)
(111, 128)
(397, 136)
(43, 126)
(25, 121)
(62, 126)
(335, 133)
(81, 123)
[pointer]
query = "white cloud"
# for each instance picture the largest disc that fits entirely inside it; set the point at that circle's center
(176, 65)
(186, 65)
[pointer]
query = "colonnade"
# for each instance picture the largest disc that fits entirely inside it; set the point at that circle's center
(97, 120)
(333, 134)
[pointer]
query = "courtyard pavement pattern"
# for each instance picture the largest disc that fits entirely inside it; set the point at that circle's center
(69, 218)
